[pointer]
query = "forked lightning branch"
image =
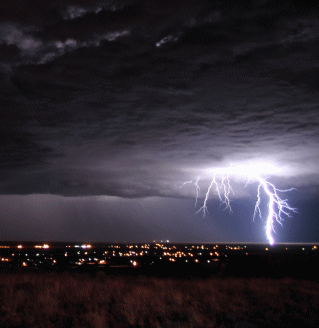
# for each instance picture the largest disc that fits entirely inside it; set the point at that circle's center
(277, 207)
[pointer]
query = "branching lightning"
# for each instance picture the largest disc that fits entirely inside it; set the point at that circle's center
(277, 207)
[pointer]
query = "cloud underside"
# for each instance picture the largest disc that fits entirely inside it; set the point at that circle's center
(132, 100)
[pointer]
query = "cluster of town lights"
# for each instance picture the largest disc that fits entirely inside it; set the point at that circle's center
(110, 255)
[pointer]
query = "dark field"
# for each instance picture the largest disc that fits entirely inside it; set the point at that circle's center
(52, 299)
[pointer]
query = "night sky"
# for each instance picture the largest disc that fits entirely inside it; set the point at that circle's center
(108, 107)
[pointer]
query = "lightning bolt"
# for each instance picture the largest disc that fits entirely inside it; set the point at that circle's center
(223, 190)
(197, 190)
(204, 207)
(277, 207)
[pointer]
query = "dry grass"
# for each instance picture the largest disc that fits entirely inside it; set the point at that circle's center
(80, 300)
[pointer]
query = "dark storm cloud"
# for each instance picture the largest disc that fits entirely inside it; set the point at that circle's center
(133, 98)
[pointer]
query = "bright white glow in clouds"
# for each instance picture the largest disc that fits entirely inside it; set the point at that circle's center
(249, 170)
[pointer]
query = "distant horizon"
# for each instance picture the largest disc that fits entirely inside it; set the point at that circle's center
(153, 242)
